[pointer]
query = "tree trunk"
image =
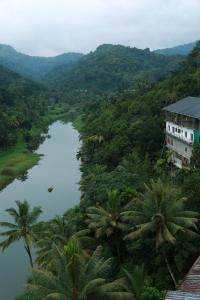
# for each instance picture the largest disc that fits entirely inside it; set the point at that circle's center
(169, 268)
(28, 250)
(74, 294)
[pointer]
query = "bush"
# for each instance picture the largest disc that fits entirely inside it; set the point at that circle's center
(151, 293)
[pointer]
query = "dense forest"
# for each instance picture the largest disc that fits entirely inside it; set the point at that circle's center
(110, 68)
(22, 102)
(134, 234)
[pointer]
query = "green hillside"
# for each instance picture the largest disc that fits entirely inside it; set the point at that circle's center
(32, 66)
(110, 68)
(21, 104)
(122, 145)
(139, 214)
(178, 50)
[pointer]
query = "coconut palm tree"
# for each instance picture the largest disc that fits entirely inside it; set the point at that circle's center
(22, 228)
(77, 277)
(135, 282)
(55, 232)
(108, 221)
(160, 211)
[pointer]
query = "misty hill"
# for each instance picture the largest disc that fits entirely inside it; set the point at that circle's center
(14, 86)
(34, 67)
(178, 50)
(110, 68)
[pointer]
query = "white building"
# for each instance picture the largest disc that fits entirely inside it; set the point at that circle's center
(182, 129)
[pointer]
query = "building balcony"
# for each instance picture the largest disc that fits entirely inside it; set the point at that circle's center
(184, 134)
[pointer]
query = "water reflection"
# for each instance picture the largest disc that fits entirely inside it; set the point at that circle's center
(58, 168)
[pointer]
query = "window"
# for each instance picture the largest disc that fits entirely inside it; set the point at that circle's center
(175, 129)
(191, 136)
(172, 142)
(172, 129)
(186, 134)
(168, 140)
(179, 131)
(185, 149)
(169, 127)
(178, 156)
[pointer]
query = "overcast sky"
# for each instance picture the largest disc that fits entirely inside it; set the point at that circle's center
(50, 27)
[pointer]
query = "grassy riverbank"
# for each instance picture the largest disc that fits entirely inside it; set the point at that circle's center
(16, 160)
(77, 123)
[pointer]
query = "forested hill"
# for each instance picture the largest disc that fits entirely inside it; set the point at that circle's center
(122, 141)
(110, 68)
(13, 85)
(178, 50)
(22, 102)
(134, 119)
(32, 66)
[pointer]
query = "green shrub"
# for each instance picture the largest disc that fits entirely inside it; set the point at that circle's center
(152, 293)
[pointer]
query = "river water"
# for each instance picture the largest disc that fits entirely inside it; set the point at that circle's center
(58, 168)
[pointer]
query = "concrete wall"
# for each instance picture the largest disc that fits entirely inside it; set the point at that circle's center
(180, 132)
(178, 146)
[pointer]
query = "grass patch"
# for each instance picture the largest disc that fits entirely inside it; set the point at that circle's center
(57, 112)
(77, 123)
(15, 161)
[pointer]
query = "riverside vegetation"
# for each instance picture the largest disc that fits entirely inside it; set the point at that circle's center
(136, 231)
(25, 113)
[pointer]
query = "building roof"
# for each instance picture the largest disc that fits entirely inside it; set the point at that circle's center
(177, 295)
(190, 287)
(191, 282)
(189, 106)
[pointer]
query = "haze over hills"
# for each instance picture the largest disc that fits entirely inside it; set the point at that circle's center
(110, 68)
(107, 69)
(178, 50)
(34, 67)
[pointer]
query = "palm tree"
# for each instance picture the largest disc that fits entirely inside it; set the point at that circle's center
(22, 228)
(77, 277)
(108, 221)
(55, 232)
(135, 282)
(160, 211)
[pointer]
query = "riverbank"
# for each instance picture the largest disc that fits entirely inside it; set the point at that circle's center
(16, 160)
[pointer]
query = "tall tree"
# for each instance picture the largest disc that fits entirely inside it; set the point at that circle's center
(108, 221)
(25, 220)
(135, 282)
(77, 277)
(160, 211)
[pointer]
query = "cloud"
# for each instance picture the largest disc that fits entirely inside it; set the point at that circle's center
(50, 27)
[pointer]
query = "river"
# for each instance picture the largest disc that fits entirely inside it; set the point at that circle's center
(58, 168)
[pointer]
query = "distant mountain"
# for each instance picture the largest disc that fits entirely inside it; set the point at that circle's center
(34, 67)
(110, 68)
(178, 50)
